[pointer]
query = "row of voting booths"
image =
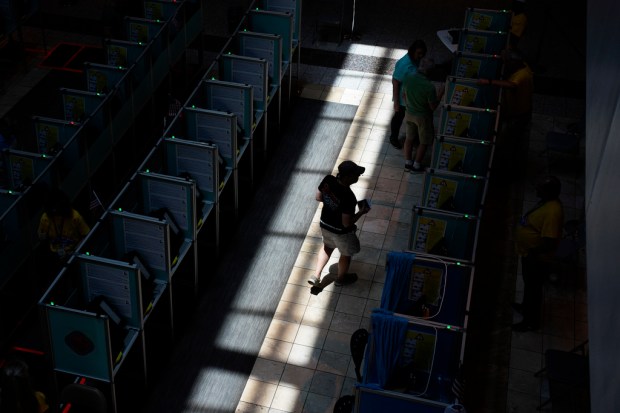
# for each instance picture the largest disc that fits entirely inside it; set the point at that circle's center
(120, 287)
(418, 335)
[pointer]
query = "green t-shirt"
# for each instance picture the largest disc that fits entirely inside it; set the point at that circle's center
(419, 93)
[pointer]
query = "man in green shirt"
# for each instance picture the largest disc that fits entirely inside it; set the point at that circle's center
(421, 100)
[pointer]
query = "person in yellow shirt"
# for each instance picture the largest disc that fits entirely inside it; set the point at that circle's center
(537, 237)
(61, 225)
(518, 24)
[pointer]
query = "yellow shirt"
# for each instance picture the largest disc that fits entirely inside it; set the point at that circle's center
(518, 99)
(518, 24)
(543, 222)
(63, 233)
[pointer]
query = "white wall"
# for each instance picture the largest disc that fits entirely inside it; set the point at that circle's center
(603, 202)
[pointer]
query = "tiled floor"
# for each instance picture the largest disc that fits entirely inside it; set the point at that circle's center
(304, 364)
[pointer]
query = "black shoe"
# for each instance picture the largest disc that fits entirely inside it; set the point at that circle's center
(413, 169)
(396, 143)
(348, 278)
(518, 307)
(316, 290)
(523, 327)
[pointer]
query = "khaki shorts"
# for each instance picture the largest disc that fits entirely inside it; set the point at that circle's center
(347, 244)
(420, 128)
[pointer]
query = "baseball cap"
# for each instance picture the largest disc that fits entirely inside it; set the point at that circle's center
(350, 168)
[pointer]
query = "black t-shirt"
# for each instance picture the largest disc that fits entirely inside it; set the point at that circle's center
(337, 200)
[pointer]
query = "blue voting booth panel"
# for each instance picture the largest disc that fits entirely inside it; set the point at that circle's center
(102, 78)
(216, 128)
(160, 9)
(445, 234)
(413, 358)
(262, 46)
(119, 282)
(142, 30)
(466, 122)
(291, 6)
(79, 343)
(482, 41)
(123, 53)
(484, 19)
(52, 134)
(250, 71)
(280, 23)
(467, 92)
(176, 195)
(423, 286)
(79, 105)
(228, 97)
(24, 167)
(453, 191)
(194, 159)
(468, 156)
(476, 66)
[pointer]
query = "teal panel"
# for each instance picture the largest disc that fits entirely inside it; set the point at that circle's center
(463, 155)
(451, 191)
(483, 19)
(480, 41)
(80, 343)
(196, 159)
(274, 23)
(443, 233)
(476, 66)
(117, 281)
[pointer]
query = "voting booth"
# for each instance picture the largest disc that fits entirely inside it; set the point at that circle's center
(410, 365)
(444, 234)
(427, 287)
(453, 191)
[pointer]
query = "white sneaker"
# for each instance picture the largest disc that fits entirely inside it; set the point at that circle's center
(314, 281)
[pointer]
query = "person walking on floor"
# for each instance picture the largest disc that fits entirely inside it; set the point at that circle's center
(338, 218)
(404, 66)
(421, 100)
(537, 237)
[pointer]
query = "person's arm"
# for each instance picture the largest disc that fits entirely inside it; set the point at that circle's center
(349, 220)
(396, 94)
(319, 196)
(437, 99)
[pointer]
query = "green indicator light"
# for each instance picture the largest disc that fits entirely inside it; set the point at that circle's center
(193, 106)
(10, 192)
(466, 216)
(148, 171)
(213, 78)
(140, 43)
(120, 67)
(52, 303)
(172, 136)
(120, 210)
(488, 110)
(448, 327)
(257, 8)
(157, 20)
(43, 156)
(229, 53)
(483, 142)
(458, 263)
(245, 30)
(87, 253)
(474, 176)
